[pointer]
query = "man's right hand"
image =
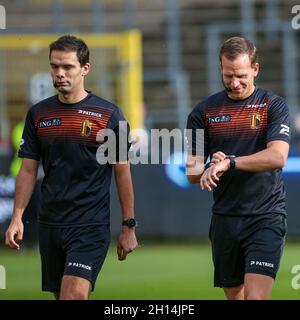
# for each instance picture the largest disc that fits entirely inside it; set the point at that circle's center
(14, 234)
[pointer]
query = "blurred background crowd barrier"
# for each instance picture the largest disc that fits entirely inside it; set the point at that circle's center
(155, 59)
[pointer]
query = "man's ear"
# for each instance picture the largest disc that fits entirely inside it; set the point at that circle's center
(256, 68)
(85, 69)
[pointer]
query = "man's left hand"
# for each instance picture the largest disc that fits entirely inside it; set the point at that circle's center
(127, 242)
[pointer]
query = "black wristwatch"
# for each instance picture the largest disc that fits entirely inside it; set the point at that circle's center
(232, 161)
(130, 223)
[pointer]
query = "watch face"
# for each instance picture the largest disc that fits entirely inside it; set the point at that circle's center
(130, 223)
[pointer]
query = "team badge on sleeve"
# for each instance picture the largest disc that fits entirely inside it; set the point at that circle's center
(86, 128)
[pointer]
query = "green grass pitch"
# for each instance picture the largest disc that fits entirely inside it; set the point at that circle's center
(154, 271)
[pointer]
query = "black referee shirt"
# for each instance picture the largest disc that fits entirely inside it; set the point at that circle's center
(75, 189)
(244, 127)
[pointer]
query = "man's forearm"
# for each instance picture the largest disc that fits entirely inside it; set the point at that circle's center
(265, 160)
(25, 183)
(194, 168)
(125, 191)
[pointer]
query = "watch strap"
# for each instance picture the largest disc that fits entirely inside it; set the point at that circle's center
(232, 161)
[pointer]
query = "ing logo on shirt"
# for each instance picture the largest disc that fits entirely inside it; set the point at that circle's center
(46, 123)
(86, 128)
(255, 120)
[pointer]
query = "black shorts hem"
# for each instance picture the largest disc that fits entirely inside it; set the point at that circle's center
(228, 285)
(262, 272)
(52, 290)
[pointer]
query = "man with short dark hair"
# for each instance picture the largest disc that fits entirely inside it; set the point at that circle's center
(246, 136)
(74, 232)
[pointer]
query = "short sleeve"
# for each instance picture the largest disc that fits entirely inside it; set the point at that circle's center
(121, 128)
(196, 134)
(278, 121)
(29, 145)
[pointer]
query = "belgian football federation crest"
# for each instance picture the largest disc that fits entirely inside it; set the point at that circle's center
(86, 128)
(255, 120)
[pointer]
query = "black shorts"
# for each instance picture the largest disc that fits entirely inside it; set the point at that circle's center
(77, 251)
(241, 245)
